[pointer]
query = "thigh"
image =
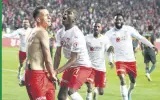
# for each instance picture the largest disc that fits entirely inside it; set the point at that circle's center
(146, 56)
(100, 79)
(152, 56)
(66, 78)
(50, 94)
(22, 56)
(120, 68)
(79, 77)
(38, 86)
(63, 92)
(91, 78)
(131, 69)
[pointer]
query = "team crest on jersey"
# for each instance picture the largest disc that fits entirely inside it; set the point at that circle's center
(118, 39)
(75, 44)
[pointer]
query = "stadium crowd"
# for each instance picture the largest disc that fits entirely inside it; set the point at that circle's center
(138, 13)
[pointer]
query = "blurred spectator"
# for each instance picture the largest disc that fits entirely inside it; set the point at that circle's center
(138, 13)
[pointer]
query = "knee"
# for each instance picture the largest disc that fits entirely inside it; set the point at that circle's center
(132, 85)
(122, 81)
(89, 90)
(101, 92)
(61, 97)
(71, 91)
(133, 80)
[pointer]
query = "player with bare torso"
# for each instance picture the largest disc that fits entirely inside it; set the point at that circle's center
(40, 74)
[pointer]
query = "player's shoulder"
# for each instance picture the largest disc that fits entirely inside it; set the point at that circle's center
(128, 28)
(109, 32)
(77, 30)
(60, 30)
(89, 36)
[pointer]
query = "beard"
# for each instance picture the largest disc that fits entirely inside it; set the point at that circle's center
(119, 26)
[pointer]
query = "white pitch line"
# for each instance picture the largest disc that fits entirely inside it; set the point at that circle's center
(10, 70)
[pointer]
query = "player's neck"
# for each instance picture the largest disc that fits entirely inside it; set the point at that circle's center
(41, 26)
(97, 35)
(67, 27)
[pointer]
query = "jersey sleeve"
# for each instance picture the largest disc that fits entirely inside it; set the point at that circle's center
(13, 34)
(58, 39)
(136, 34)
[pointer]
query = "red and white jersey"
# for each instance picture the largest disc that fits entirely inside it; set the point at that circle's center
(73, 40)
(121, 40)
(22, 37)
(97, 48)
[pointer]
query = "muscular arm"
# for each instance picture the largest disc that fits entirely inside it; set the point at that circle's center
(69, 63)
(57, 57)
(44, 40)
(141, 38)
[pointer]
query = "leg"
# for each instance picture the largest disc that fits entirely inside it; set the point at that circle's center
(153, 60)
(89, 91)
(123, 87)
(74, 94)
(147, 67)
(146, 61)
(78, 78)
(97, 91)
(63, 92)
(51, 51)
(152, 68)
(132, 84)
(19, 70)
(100, 91)
(100, 83)
(22, 57)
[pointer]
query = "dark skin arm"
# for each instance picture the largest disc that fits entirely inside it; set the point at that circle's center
(69, 63)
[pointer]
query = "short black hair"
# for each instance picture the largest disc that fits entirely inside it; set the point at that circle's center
(74, 10)
(119, 14)
(98, 21)
(150, 28)
(36, 11)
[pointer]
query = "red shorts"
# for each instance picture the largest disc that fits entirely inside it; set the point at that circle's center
(98, 78)
(22, 56)
(38, 86)
(75, 77)
(126, 67)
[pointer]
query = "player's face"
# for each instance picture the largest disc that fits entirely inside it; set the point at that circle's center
(119, 22)
(26, 24)
(44, 18)
(68, 17)
(97, 28)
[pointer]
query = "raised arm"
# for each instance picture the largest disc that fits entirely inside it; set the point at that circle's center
(141, 38)
(10, 35)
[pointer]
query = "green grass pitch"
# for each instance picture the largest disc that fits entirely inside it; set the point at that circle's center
(144, 90)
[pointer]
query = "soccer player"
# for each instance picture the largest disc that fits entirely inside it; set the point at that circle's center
(135, 44)
(97, 46)
(22, 48)
(78, 67)
(121, 40)
(39, 75)
(148, 53)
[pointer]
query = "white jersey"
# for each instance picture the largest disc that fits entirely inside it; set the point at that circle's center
(121, 40)
(73, 40)
(22, 37)
(97, 48)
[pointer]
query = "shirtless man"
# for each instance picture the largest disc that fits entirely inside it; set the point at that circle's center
(40, 74)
